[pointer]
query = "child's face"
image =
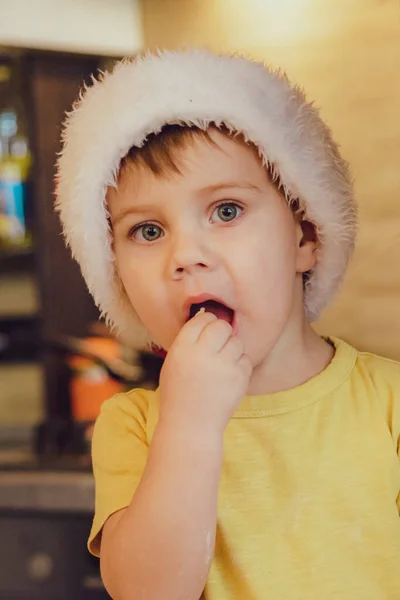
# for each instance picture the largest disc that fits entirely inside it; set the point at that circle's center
(219, 228)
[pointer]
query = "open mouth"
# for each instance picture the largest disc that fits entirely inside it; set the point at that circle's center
(221, 311)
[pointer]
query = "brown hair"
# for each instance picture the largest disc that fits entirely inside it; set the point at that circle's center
(160, 152)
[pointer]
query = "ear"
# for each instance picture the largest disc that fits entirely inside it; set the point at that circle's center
(307, 243)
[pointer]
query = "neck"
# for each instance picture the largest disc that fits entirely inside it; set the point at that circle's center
(299, 355)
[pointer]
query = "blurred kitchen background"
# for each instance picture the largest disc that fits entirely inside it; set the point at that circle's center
(57, 363)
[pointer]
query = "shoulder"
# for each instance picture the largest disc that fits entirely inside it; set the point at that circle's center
(125, 413)
(375, 381)
(384, 373)
(132, 404)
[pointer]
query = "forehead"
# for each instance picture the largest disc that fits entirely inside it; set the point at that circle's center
(202, 163)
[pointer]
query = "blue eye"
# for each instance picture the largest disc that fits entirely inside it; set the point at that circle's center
(227, 211)
(147, 233)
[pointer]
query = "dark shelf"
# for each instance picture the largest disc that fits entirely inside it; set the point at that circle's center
(17, 338)
(15, 260)
(11, 251)
(22, 319)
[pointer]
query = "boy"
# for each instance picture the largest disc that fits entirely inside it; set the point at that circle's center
(209, 208)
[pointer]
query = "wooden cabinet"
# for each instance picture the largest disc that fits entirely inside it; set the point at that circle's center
(49, 84)
(66, 307)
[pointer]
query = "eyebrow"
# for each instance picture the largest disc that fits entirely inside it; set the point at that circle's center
(230, 185)
(132, 210)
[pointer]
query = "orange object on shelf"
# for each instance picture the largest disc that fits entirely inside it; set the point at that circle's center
(90, 383)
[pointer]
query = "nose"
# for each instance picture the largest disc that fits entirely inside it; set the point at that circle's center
(188, 255)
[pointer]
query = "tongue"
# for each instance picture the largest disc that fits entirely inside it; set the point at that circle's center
(219, 310)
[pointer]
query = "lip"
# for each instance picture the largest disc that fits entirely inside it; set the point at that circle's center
(235, 325)
(199, 299)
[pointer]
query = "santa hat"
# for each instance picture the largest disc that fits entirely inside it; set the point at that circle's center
(197, 88)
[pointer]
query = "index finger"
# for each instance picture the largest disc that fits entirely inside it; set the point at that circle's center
(192, 330)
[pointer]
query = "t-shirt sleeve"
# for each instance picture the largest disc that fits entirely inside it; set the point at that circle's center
(385, 376)
(119, 454)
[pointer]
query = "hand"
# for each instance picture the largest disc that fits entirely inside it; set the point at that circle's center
(205, 375)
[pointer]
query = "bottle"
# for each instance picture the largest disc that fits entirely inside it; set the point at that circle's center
(15, 162)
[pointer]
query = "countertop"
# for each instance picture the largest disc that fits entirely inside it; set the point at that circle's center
(45, 489)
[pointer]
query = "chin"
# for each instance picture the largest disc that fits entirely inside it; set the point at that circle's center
(259, 352)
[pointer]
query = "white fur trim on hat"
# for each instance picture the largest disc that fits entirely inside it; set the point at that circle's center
(197, 87)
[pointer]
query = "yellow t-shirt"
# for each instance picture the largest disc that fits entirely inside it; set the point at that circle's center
(309, 497)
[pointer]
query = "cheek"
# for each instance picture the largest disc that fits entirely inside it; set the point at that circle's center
(268, 261)
(267, 286)
(268, 299)
(147, 296)
(138, 281)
